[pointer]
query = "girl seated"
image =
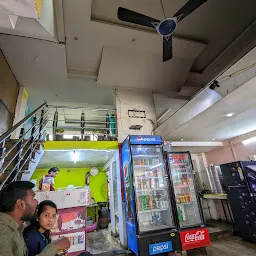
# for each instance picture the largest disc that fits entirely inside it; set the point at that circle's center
(37, 235)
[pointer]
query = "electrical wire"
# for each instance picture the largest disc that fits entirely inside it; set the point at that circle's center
(237, 72)
(162, 5)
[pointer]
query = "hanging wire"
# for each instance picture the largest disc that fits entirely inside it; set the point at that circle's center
(161, 1)
(237, 72)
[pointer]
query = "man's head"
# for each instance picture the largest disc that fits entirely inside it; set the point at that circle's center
(18, 199)
(53, 171)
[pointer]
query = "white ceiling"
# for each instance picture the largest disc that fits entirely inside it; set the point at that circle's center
(101, 53)
(212, 23)
(213, 124)
(86, 158)
(40, 66)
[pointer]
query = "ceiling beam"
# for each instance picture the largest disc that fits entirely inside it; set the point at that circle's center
(197, 144)
(197, 105)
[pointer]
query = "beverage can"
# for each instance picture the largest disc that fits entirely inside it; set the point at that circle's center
(75, 239)
(81, 239)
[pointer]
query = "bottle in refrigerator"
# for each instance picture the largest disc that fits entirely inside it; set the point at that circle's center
(138, 204)
(180, 215)
(150, 202)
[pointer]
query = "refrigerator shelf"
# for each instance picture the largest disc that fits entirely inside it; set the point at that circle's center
(146, 156)
(148, 167)
(155, 227)
(150, 190)
(146, 178)
(182, 186)
(192, 202)
(152, 210)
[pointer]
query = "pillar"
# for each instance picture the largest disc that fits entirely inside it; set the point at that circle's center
(20, 111)
(132, 99)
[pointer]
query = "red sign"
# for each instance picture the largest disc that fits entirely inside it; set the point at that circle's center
(195, 238)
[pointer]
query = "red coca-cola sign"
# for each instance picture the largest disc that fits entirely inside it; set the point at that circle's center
(195, 238)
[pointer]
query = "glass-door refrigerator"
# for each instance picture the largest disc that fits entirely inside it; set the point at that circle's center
(150, 224)
(193, 232)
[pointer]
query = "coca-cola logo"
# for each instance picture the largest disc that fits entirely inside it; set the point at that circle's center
(198, 236)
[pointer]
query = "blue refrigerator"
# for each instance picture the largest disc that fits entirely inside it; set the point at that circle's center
(148, 199)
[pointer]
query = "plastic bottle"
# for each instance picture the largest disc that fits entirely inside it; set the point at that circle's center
(180, 216)
(150, 202)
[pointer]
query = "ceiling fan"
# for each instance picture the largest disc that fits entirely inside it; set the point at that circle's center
(165, 27)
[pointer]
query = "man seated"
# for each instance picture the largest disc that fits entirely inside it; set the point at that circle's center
(17, 205)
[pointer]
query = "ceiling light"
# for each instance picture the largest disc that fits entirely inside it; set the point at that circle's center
(249, 141)
(74, 157)
(229, 114)
(213, 139)
(181, 139)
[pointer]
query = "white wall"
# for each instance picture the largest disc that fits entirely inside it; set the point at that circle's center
(134, 100)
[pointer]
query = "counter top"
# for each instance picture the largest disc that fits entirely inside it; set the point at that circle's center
(215, 196)
(65, 198)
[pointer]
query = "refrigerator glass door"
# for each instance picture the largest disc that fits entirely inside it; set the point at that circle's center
(151, 187)
(184, 189)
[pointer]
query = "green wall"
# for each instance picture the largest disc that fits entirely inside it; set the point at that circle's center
(76, 177)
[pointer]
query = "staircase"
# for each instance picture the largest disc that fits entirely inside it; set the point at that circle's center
(17, 153)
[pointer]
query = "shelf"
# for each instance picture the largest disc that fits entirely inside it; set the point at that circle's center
(192, 202)
(181, 186)
(146, 156)
(147, 178)
(152, 210)
(153, 227)
(215, 196)
(149, 190)
(178, 164)
(150, 167)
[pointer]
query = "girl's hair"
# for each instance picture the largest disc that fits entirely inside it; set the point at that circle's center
(41, 208)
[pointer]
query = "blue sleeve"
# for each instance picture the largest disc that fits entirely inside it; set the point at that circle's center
(32, 242)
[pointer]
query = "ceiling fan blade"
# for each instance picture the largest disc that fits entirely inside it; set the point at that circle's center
(134, 17)
(167, 49)
(189, 7)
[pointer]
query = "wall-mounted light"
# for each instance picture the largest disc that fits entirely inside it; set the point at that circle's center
(74, 157)
(249, 141)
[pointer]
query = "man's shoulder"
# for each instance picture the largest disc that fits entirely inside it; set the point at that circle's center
(6, 232)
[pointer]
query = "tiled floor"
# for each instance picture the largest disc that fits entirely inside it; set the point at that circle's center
(233, 246)
(101, 241)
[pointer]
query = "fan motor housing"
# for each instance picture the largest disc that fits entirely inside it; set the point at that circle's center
(166, 27)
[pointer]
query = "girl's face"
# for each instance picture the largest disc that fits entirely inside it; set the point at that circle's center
(47, 218)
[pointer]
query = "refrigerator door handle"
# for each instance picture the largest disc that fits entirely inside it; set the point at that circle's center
(236, 186)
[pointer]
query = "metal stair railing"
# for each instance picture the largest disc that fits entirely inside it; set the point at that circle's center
(24, 147)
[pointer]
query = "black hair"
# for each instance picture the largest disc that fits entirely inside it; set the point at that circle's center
(13, 192)
(40, 209)
(53, 169)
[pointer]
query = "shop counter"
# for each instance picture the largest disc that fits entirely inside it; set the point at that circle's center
(71, 216)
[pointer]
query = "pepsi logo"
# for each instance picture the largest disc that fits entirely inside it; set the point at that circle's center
(139, 138)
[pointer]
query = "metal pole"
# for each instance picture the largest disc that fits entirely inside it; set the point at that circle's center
(2, 152)
(41, 124)
(32, 134)
(18, 159)
(82, 125)
(55, 124)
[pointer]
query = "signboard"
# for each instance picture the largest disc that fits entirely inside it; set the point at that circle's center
(145, 140)
(195, 238)
(77, 241)
(159, 248)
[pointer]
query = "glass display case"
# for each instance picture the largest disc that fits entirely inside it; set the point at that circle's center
(151, 188)
(181, 173)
